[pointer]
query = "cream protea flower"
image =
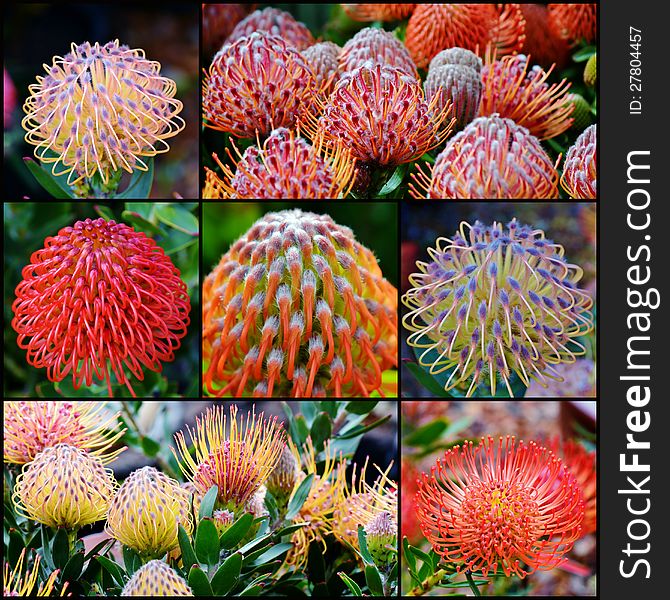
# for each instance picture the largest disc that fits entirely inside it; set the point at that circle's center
(30, 427)
(100, 109)
(238, 457)
(580, 177)
(156, 579)
(64, 487)
(146, 512)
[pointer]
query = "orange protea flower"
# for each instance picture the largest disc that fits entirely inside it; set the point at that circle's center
(156, 579)
(285, 166)
(297, 307)
(574, 22)
(323, 58)
(64, 487)
(100, 109)
(256, 84)
(16, 585)
(516, 92)
(372, 46)
(434, 27)
(580, 178)
(275, 22)
(491, 158)
(542, 43)
(506, 505)
(378, 12)
(236, 457)
(218, 22)
(100, 295)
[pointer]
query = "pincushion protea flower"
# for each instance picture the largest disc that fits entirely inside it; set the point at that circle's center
(275, 22)
(256, 84)
(156, 579)
(236, 457)
(218, 22)
(286, 166)
(580, 178)
(378, 12)
(64, 487)
(493, 302)
(30, 427)
(297, 307)
(146, 512)
(542, 43)
(372, 46)
(101, 109)
(14, 584)
(574, 22)
(491, 158)
(100, 296)
(323, 59)
(500, 505)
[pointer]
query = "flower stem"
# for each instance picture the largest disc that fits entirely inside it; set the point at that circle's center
(428, 583)
(471, 581)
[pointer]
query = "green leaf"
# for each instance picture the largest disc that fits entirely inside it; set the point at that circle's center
(150, 447)
(330, 406)
(321, 430)
(298, 497)
(131, 560)
(16, 545)
(361, 429)
(236, 531)
(141, 223)
(427, 434)
(271, 505)
(177, 218)
(73, 568)
(46, 548)
(187, 552)
(361, 407)
(316, 566)
(140, 183)
(363, 546)
(303, 428)
(426, 380)
(60, 548)
(395, 180)
(199, 583)
(351, 584)
(289, 529)
(105, 212)
(409, 557)
(255, 542)
(272, 553)
(374, 580)
(251, 590)
(227, 575)
(55, 185)
(309, 410)
(207, 504)
(583, 54)
(112, 568)
(207, 542)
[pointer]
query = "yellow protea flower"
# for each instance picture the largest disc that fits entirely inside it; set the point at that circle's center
(146, 512)
(156, 579)
(238, 457)
(30, 427)
(15, 585)
(64, 487)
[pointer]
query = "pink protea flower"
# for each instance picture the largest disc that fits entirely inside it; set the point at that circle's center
(491, 158)
(100, 296)
(218, 22)
(256, 84)
(275, 22)
(542, 43)
(378, 12)
(100, 109)
(323, 58)
(371, 46)
(580, 178)
(574, 22)
(500, 505)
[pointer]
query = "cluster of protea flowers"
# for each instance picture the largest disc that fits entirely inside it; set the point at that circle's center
(100, 297)
(580, 178)
(99, 110)
(15, 583)
(297, 307)
(496, 302)
(502, 504)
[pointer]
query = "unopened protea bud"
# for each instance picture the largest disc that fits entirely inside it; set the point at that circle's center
(381, 535)
(378, 12)
(156, 579)
(580, 178)
(574, 22)
(275, 22)
(323, 58)
(496, 302)
(64, 487)
(371, 46)
(581, 113)
(297, 307)
(591, 70)
(223, 519)
(283, 479)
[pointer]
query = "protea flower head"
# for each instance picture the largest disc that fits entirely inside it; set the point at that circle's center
(64, 486)
(574, 22)
(492, 157)
(284, 477)
(256, 84)
(238, 457)
(297, 307)
(218, 22)
(519, 92)
(101, 109)
(434, 27)
(581, 114)
(580, 177)
(16, 584)
(371, 46)
(382, 538)
(542, 43)
(502, 505)
(591, 70)
(100, 296)
(496, 301)
(156, 579)
(378, 12)
(323, 58)
(277, 23)
(285, 166)
(30, 427)
(146, 512)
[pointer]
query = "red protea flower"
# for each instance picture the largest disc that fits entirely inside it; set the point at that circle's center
(434, 27)
(378, 12)
(580, 178)
(297, 307)
(218, 22)
(514, 91)
(371, 46)
(323, 58)
(491, 158)
(542, 43)
(277, 23)
(100, 296)
(505, 505)
(574, 22)
(256, 84)
(286, 166)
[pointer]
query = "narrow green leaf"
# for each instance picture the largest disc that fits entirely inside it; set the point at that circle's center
(252, 590)
(248, 547)
(177, 218)
(112, 568)
(316, 566)
(363, 546)
(131, 560)
(50, 182)
(140, 183)
(227, 575)
(271, 505)
(298, 497)
(289, 529)
(150, 447)
(73, 568)
(361, 407)
(374, 580)
(207, 542)
(584, 54)
(187, 552)
(427, 434)
(351, 584)
(321, 430)
(199, 583)
(207, 504)
(303, 429)
(321, 590)
(60, 548)
(236, 531)
(409, 557)
(361, 429)
(272, 553)
(395, 180)
(46, 548)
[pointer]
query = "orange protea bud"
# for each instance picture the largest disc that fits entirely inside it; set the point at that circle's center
(236, 457)
(323, 59)
(64, 487)
(378, 12)
(146, 512)
(491, 158)
(30, 427)
(275, 22)
(100, 295)
(100, 109)
(297, 307)
(434, 27)
(371, 46)
(542, 43)
(218, 22)
(156, 579)
(286, 166)
(574, 22)
(516, 92)
(14, 584)
(506, 505)
(580, 178)
(591, 70)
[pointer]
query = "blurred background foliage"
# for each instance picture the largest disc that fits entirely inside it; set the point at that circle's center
(173, 226)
